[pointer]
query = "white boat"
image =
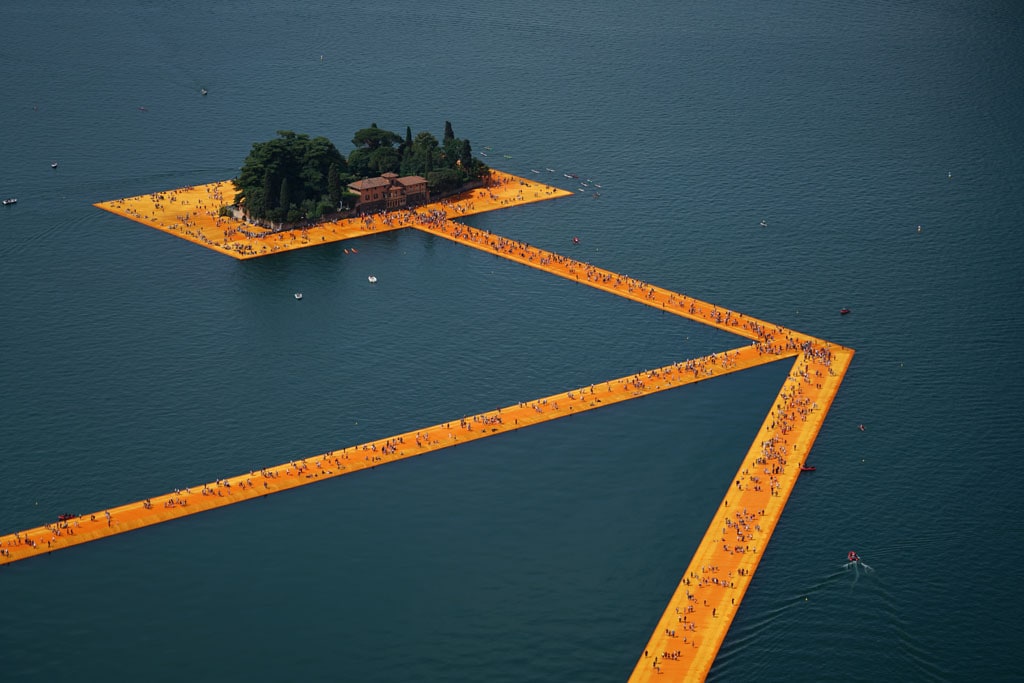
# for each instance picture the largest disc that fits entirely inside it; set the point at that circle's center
(372, 278)
(10, 200)
(53, 165)
(298, 295)
(764, 223)
(203, 92)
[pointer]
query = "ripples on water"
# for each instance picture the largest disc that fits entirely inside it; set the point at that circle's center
(135, 363)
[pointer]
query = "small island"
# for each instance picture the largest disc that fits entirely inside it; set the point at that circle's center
(296, 191)
(294, 178)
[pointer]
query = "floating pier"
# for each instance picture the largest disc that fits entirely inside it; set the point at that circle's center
(193, 214)
(687, 637)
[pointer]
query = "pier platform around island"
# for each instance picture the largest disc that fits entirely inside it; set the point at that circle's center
(193, 214)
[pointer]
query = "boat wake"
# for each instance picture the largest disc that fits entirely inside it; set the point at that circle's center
(858, 564)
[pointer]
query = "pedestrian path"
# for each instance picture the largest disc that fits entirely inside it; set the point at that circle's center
(347, 460)
(687, 637)
(690, 632)
(193, 214)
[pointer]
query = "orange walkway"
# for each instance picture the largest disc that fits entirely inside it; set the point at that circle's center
(189, 501)
(192, 213)
(689, 633)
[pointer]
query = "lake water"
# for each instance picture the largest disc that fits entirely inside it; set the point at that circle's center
(135, 363)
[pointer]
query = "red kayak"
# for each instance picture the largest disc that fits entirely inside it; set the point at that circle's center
(805, 468)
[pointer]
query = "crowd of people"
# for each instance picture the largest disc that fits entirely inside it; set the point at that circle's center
(765, 476)
(195, 213)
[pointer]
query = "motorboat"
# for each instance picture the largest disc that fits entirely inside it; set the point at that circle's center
(10, 200)
(852, 556)
(298, 296)
(575, 240)
(204, 91)
(844, 311)
(764, 223)
(53, 165)
(372, 279)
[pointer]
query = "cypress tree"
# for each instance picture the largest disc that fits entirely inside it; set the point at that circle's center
(284, 199)
(334, 184)
(269, 202)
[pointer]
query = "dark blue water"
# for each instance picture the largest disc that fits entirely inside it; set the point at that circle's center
(134, 363)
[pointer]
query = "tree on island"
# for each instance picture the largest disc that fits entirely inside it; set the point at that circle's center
(291, 178)
(375, 152)
(295, 177)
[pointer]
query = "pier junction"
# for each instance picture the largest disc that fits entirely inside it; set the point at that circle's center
(691, 629)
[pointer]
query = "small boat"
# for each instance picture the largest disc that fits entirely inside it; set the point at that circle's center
(10, 200)
(372, 278)
(533, 170)
(53, 165)
(764, 223)
(483, 154)
(575, 240)
(203, 91)
(844, 311)
(852, 556)
(298, 296)
(508, 156)
(807, 468)
(571, 175)
(142, 108)
(549, 170)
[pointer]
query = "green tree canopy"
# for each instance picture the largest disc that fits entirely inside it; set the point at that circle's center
(374, 137)
(283, 175)
(294, 176)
